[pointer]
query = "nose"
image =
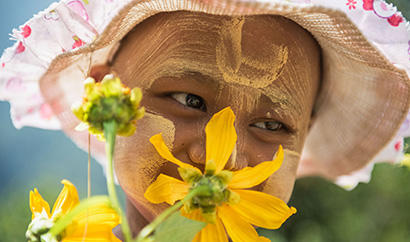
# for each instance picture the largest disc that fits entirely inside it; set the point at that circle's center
(238, 159)
(196, 152)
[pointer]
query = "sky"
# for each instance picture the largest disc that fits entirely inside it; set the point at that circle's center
(31, 156)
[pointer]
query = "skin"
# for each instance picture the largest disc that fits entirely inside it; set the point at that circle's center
(218, 59)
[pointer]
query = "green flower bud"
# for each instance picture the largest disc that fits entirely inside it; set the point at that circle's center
(189, 175)
(225, 176)
(109, 101)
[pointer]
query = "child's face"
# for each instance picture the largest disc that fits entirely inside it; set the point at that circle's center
(192, 65)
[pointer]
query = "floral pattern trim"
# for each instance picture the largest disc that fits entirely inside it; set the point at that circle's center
(384, 10)
(351, 4)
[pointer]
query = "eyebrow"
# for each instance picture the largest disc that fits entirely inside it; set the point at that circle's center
(199, 76)
(194, 74)
(287, 104)
(282, 102)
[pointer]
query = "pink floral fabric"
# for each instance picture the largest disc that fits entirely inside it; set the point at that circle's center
(62, 27)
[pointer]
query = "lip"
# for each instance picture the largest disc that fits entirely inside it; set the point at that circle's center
(170, 169)
(148, 214)
(149, 210)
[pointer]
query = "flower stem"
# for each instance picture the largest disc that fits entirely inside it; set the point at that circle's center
(64, 221)
(110, 129)
(147, 230)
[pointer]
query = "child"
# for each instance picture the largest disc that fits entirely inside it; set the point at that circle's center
(333, 93)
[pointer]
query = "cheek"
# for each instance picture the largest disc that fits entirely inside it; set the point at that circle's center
(137, 163)
(280, 184)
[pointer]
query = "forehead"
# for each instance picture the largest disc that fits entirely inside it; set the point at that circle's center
(263, 52)
(199, 33)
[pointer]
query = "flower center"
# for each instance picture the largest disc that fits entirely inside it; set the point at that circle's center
(212, 192)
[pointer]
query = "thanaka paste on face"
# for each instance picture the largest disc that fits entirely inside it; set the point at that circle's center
(282, 181)
(170, 37)
(137, 162)
(190, 41)
(258, 67)
(256, 70)
(249, 97)
(182, 42)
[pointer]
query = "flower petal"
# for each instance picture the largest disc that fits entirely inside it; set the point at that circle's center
(66, 200)
(212, 232)
(194, 214)
(220, 138)
(237, 228)
(94, 224)
(164, 152)
(262, 209)
(38, 204)
(166, 189)
(252, 176)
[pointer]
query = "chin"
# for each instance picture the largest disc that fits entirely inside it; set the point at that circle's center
(140, 214)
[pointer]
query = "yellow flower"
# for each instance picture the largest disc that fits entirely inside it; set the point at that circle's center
(108, 100)
(228, 204)
(93, 224)
(406, 160)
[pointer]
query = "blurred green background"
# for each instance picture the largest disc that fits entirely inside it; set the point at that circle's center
(378, 211)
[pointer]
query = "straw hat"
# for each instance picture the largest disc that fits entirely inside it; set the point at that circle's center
(364, 98)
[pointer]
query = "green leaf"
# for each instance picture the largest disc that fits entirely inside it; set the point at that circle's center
(406, 147)
(177, 228)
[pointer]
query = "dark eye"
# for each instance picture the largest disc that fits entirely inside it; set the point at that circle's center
(190, 100)
(270, 125)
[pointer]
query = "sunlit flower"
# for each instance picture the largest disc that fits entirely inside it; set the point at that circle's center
(93, 224)
(109, 100)
(406, 160)
(228, 204)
